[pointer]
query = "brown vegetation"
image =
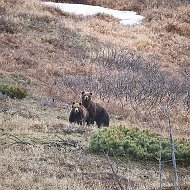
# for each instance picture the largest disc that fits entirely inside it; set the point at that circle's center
(134, 5)
(40, 151)
(62, 55)
(133, 71)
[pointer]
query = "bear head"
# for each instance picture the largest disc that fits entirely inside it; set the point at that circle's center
(76, 107)
(86, 97)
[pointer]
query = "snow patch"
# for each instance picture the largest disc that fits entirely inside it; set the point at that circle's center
(125, 17)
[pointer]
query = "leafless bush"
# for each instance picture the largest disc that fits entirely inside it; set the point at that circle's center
(76, 44)
(7, 25)
(133, 82)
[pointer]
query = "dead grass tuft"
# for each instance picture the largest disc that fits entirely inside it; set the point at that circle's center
(107, 18)
(80, 69)
(7, 25)
(183, 29)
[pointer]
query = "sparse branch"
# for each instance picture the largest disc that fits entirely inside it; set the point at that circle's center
(115, 172)
(176, 181)
(160, 166)
(33, 142)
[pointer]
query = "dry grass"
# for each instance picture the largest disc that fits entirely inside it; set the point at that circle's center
(153, 40)
(43, 166)
(164, 36)
(42, 48)
(134, 5)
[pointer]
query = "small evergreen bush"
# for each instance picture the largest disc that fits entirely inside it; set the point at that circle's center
(136, 144)
(13, 91)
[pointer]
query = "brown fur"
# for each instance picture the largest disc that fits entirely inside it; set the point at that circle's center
(79, 114)
(96, 112)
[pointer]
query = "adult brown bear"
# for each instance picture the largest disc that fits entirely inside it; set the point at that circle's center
(79, 114)
(96, 112)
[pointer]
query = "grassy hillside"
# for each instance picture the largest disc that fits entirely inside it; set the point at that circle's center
(134, 72)
(39, 150)
(164, 35)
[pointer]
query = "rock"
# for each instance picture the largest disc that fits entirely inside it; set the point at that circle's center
(3, 96)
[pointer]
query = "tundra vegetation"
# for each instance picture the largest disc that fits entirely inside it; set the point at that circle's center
(139, 74)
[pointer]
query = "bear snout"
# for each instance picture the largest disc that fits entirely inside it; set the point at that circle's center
(86, 98)
(76, 110)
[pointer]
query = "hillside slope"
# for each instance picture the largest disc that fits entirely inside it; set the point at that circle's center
(132, 71)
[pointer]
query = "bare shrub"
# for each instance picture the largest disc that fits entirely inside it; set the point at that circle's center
(182, 29)
(127, 81)
(7, 25)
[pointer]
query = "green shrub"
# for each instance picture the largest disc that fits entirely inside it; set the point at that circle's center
(136, 144)
(13, 91)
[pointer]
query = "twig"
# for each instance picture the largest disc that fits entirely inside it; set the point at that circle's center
(60, 142)
(176, 182)
(15, 139)
(160, 166)
(117, 178)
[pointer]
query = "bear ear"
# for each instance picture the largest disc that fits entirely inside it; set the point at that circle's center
(80, 104)
(83, 92)
(73, 103)
(91, 93)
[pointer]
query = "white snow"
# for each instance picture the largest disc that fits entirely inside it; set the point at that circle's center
(125, 17)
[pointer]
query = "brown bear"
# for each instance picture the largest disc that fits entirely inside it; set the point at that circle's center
(79, 114)
(96, 112)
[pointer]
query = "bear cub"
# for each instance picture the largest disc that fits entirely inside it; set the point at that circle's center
(79, 114)
(96, 112)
